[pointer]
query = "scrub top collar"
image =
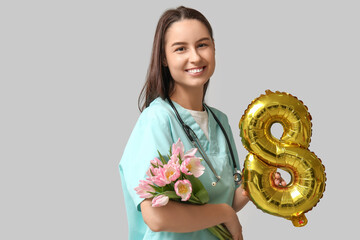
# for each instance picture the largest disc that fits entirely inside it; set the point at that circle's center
(210, 146)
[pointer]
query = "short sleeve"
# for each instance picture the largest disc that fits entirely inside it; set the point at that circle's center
(151, 134)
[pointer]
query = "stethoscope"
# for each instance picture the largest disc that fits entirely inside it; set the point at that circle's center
(196, 143)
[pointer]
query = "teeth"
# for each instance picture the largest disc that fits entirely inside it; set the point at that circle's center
(196, 70)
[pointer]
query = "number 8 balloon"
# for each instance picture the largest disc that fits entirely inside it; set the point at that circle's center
(289, 153)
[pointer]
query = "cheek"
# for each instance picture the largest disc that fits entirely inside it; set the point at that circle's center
(176, 63)
(175, 71)
(211, 57)
(211, 60)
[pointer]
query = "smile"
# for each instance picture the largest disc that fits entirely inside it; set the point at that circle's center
(195, 70)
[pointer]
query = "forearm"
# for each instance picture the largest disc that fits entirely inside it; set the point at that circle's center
(240, 199)
(181, 217)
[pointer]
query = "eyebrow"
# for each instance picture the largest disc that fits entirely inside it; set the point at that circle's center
(184, 43)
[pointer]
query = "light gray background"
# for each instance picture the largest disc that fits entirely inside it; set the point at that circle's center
(71, 72)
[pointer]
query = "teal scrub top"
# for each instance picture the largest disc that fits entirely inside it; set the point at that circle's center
(157, 129)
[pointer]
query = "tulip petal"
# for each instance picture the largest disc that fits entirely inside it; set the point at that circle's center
(160, 201)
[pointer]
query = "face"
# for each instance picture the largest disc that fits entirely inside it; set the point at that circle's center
(190, 54)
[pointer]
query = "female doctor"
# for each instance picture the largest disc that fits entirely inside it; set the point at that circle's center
(182, 62)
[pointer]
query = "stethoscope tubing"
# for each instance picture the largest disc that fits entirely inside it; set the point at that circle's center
(196, 143)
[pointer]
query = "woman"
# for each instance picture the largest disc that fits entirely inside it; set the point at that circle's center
(182, 62)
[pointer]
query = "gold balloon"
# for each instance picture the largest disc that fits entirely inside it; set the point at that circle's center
(289, 153)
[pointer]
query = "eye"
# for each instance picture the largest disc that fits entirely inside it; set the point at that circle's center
(180, 49)
(203, 45)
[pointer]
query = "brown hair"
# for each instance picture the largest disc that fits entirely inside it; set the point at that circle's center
(159, 82)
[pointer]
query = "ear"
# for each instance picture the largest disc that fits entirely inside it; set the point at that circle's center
(164, 62)
(214, 44)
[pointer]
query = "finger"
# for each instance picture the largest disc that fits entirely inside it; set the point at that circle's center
(283, 183)
(277, 175)
(277, 182)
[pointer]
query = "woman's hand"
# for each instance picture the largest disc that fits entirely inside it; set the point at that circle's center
(234, 227)
(241, 198)
(279, 181)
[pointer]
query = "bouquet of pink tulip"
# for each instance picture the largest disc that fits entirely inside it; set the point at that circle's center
(177, 179)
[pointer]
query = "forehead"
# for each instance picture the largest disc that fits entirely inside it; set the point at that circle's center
(187, 30)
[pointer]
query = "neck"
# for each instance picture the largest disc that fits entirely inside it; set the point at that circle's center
(191, 99)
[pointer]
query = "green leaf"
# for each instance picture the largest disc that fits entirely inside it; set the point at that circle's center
(198, 189)
(196, 183)
(157, 189)
(171, 194)
(152, 174)
(203, 196)
(194, 198)
(168, 187)
(161, 158)
(194, 201)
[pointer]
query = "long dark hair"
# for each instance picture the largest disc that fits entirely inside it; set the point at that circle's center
(159, 82)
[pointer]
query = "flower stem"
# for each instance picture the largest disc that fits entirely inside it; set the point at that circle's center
(220, 232)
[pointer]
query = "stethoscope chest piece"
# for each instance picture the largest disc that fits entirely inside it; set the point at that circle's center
(237, 177)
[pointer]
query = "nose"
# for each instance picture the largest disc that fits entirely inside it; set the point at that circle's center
(194, 56)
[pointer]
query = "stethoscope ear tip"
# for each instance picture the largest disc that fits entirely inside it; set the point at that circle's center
(214, 183)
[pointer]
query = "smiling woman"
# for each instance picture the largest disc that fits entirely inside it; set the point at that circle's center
(182, 62)
(159, 82)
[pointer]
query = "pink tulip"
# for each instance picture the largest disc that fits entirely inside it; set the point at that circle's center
(156, 162)
(174, 159)
(144, 189)
(160, 201)
(190, 153)
(178, 152)
(156, 178)
(192, 166)
(170, 172)
(152, 170)
(183, 189)
(178, 148)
